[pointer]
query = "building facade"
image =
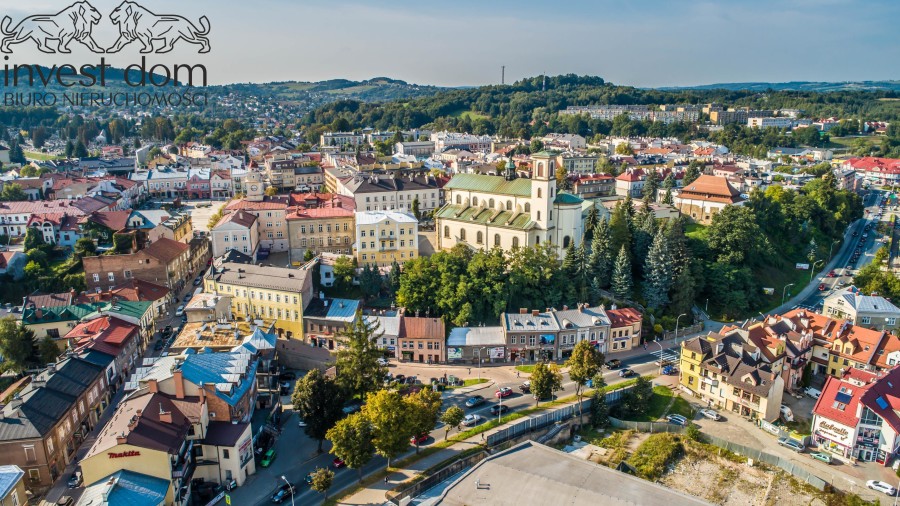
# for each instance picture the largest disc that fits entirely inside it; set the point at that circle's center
(383, 237)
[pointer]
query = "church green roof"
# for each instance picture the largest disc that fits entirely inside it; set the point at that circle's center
(519, 187)
(484, 216)
(567, 198)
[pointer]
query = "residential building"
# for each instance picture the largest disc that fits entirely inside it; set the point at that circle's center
(419, 149)
(57, 321)
(489, 211)
(44, 300)
(125, 487)
(785, 341)
(12, 486)
(153, 224)
(221, 185)
(847, 179)
(163, 262)
(856, 418)
(134, 290)
(270, 215)
(208, 307)
(741, 115)
(631, 182)
(59, 229)
(564, 141)
(422, 339)
(320, 223)
(597, 185)
(44, 424)
(288, 171)
(383, 237)
(880, 171)
(275, 293)
(112, 336)
(705, 197)
(770, 122)
(238, 230)
(870, 311)
(729, 373)
(394, 191)
(624, 329)
(387, 328)
(325, 319)
(801, 154)
(103, 225)
(341, 139)
(474, 143)
(14, 216)
(578, 163)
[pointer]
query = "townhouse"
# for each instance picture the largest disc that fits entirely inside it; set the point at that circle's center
(422, 339)
(15, 216)
(275, 293)
(728, 372)
(383, 237)
(393, 191)
(132, 290)
(270, 215)
(151, 225)
(238, 230)
(552, 334)
(12, 486)
(625, 328)
(57, 321)
(220, 184)
(101, 226)
(170, 182)
(871, 311)
(60, 229)
(292, 171)
(856, 418)
(597, 185)
(321, 223)
(43, 425)
(164, 262)
(326, 319)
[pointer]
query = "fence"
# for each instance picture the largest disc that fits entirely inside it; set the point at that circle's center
(442, 474)
(651, 427)
(759, 455)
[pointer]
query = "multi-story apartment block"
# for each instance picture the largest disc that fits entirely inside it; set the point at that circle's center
(395, 191)
(419, 149)
(321, 223)
(576, 163)
(869, 311)
(163, 262)
(270, 213)
(721, 116)
(274, 293)
(598, 185)
(771, 122)
(564, 141)
(289, 172)
(729, 373)
(340, 139)
(383, 237)
(474, 143)
(882, 171)
(45, 422)
(237, 230)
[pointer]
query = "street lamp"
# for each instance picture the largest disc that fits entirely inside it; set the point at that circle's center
(479, 361)
(832, 247)
(676, 325)
(812, 270)
(784, 291)
(290, 487)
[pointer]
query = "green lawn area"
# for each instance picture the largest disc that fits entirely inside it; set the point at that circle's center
(772, 276)
(695, 230)
(33, 155)
(662, 395)
(469, 382)
(682, 407)
(846, 142)
(525, 368)
(463, 113)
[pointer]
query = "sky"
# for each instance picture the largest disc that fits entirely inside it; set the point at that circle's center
(645, 43)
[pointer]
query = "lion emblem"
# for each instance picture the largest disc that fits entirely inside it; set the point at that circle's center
(137, 23)
(75, 22)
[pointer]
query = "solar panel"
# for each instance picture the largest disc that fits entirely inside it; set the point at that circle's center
(881, 402)
(843, 398)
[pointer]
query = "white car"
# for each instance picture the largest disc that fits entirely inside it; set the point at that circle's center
(471, 420)
(382, 362)
(180, 310)
(710, 413)
(787, 414)
(677, 420)
(882, 487)
(812, 392)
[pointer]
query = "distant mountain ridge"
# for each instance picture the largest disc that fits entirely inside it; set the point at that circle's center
(817, 86)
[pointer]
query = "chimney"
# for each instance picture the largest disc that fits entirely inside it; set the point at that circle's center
(178, 376)
(153, 386)
(164, 416)
(121, 439)
(581, 307)
(565, 307)
(535, 312)
(523, 310)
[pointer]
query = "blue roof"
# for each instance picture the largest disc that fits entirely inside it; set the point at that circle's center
(98, 357)
(221, 369)
(343, 309)
(9, 476)
(130, 489)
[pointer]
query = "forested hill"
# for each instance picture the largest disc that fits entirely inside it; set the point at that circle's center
(817, 86)
(526, 107)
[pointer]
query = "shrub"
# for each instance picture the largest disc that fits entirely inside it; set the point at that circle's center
(655, 453)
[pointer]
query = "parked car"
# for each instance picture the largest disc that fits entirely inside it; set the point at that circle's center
(287, 376)
(831, 274)
(525, 387)
(268, 458)
(822, 287)
(677, 420)
(710, 413)
(503, 392)
(383, 362)
(473, 401)
(160, 344)
(283, 492)
(812, 392)
(421, 438)
(882, 487)
(180, 310)
(309, 478)
(822, 456)
(793, 444)
(301, 423)
(627, 373)
(198, 281)
(337, 463)
(613, 364)
(75, 480)
(65, 500)
(499, 409)
(471, 420)
(669, 370)
(786, 413)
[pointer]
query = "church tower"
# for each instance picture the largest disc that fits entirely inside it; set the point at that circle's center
(253, 186)
(543, 191)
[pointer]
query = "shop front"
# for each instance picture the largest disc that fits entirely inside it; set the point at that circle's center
(833, 437)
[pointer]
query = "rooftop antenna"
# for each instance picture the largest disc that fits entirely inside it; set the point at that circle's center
(503, 74)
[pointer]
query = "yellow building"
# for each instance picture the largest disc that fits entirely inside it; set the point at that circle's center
(271, 293)
(729, 373)
(321, 223)
(385, 236)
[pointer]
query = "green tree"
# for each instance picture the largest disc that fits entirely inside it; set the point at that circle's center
(84, 247)
(391, 417)
(12, 192)
(644, 231)
(545, 379)
(351, 441)
(271, 191)
(693, 171)
(80, 150)
(621, 275)
(584, 363)
(599, 408)
(38, 256)
(624, 149)
(318, 401)
(70, 149)
(16, 155)
(308, 255)
(600, 259)
(668, 198)
(590, 223)
(651, 186)
(452, 418)
(394, 277)
(357, 366)
(637, 400)
(48, 351)
(343, 272)
(658, 275)
(415, 208)
(370, 281)
(734, 236)
(424, 409)
(536, 145)
(620, 228)
(322, 478)
(33, 270)
(17, 346)
(562, 178)
(122, 243)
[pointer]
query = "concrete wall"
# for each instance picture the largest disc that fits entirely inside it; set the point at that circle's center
(296, 354)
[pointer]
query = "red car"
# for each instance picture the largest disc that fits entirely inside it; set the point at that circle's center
(832, 274)
(503, 392)
(417, 440)
(822, 287)
(337, 463)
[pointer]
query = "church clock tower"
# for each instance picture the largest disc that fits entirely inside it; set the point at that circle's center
(253, 187)
(543, 191)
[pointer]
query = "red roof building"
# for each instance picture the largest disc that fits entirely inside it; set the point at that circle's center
(883, 171)
(111, 336)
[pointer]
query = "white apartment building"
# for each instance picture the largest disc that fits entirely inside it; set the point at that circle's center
(469, 142)
(770, 122)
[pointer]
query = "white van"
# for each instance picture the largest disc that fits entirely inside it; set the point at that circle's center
(812, 392)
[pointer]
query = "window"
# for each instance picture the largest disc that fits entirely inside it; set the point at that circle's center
(462, 234)
(110, 276)
(566, 241)
(446, 233)
(225, 454)
(539, 216)
(479, 238)
(539, 192)
(496, 239)
(865, 320)
(515, 242)
(491, 203)
(30, 455)
(459, 199)
(891, 321)
(96, 278)
(527, 207)
(474, 201)
(34, 474)
(509, 205)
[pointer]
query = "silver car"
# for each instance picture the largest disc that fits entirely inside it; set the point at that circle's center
(471, 420)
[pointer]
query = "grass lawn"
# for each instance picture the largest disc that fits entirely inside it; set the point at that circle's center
(695, 230)
(846, 142)
(462, 113)
(525, 368)
(662, 395)
(469, 382)
(682, 407)
(773, 276)
(33, 155)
